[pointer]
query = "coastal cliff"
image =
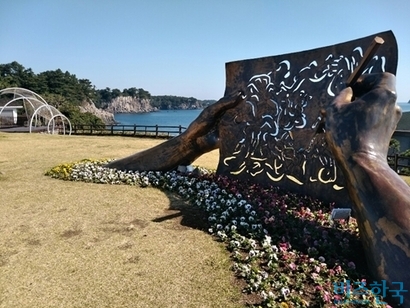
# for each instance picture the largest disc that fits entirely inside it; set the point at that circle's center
(106, 116)
(128, 104)
(122, 104)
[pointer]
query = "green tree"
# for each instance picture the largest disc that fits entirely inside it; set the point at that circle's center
(142, 94)
(80, 118)
(115, 93)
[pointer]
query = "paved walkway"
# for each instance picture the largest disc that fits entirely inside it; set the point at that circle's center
(23, 129)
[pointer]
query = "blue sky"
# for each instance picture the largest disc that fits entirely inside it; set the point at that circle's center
(180, 47)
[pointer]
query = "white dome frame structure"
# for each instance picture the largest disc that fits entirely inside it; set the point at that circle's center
(37, 107)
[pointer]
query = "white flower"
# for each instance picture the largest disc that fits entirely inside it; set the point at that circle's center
(285, 291)
(252, 253)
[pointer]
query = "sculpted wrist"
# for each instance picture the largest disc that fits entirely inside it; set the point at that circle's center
(368, 161)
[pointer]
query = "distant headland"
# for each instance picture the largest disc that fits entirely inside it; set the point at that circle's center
(80, 101)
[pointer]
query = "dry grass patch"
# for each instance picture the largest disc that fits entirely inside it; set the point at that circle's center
(406, 179)
(72, 244)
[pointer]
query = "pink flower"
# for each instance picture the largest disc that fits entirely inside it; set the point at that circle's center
(284, 246)
(326, 297)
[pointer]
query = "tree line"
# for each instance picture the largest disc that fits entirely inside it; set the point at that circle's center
(66, 92)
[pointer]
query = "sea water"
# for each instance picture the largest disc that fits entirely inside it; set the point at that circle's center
(176, 117)
(405, 107)
(161, 118)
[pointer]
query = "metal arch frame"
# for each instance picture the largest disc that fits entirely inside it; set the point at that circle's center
(57, 114)
(62, 118)
(54, 112)
(34, 108)
(15, 91)
(53, 116)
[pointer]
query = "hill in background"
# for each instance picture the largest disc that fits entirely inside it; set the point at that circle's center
(76, 98)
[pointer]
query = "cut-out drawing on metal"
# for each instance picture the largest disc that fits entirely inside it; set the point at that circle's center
(268, 126)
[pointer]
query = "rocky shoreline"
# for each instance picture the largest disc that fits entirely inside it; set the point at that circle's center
(125, 104)
(106, 116)
(128, 104)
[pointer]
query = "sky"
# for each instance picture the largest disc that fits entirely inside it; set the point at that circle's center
(180, 47)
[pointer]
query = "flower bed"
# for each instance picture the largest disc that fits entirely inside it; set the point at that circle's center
(284, 246)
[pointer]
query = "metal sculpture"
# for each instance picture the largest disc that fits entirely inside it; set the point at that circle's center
(312, 123)
(359, 125)
(270, 130)
(276, 136)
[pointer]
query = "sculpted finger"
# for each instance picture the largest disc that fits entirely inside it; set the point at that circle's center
(397, 114)
(383, 94)
(345, 97)
(208, 118)
(225, 103)
(371, 82)
(366, 83)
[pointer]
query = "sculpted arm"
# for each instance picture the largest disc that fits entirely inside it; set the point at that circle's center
(359, 125)
(200, 137)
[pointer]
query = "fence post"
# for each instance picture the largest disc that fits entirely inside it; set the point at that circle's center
(91, 129)
(180, 129)
(112, 129)
(396, 162)
(156, 131)
(135, 129)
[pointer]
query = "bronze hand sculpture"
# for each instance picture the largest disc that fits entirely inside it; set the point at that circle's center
(359, 125)
(269, 134)
(200, 137)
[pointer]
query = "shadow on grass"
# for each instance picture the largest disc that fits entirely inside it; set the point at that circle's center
(183, 212)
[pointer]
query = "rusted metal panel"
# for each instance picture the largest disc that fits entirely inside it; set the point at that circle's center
(274, 136)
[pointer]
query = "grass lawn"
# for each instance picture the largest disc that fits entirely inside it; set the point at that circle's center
(406, 179)
(76, 244)
(72, 244)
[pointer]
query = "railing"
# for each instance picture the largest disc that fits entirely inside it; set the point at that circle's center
(155, 131)
(395, 162)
